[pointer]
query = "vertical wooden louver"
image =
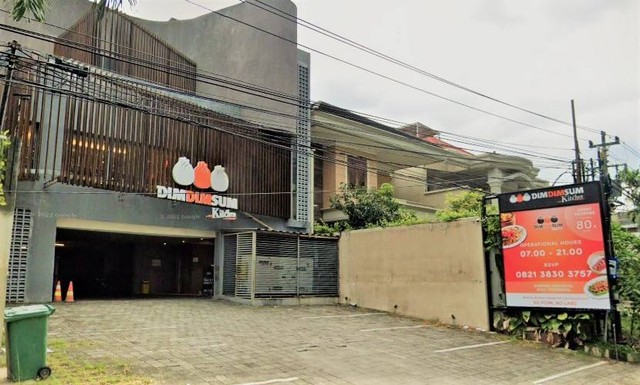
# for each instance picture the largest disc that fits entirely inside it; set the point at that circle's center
(103, 131)
(117, 44)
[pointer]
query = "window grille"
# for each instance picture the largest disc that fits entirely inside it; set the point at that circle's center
(18, 255)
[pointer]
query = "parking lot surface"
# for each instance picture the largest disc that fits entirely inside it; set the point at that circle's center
(197, 341)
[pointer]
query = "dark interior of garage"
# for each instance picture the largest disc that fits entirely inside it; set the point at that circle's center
(110, 265)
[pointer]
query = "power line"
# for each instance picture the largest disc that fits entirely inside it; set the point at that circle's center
(250, 90)
(155, 64)
(286, 146)
(239, 105)
(375, 72)
(162, 88)
(361, 47)
(270, 142)
(191, 121)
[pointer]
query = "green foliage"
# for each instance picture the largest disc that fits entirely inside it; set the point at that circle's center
(469, 205)
(366, 208)
(38, 8)
(459, 206)
(627, 248)
(321, 228)
(630, 180)
(557, 329)
(4, 149)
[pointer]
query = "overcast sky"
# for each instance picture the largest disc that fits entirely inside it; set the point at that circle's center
(534, 54)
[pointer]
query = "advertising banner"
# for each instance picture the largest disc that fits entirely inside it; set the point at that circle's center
(554, 249)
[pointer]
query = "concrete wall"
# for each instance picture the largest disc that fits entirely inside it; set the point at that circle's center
(222, 46)
(407, 184)
(60, 14)
(428, 271)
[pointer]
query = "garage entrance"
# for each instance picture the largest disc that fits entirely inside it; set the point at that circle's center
(111, 265)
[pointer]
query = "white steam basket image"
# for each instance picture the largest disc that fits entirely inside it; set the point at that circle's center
(219, 179)
(182, 172)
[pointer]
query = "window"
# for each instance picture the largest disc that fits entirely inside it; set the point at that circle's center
(356, 171)
(440, 180)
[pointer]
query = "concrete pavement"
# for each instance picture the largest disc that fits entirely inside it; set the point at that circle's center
(197, 342)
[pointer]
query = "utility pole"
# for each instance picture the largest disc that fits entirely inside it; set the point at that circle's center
(605, 180)
(603, 154)
(7, 84)
(577, 177)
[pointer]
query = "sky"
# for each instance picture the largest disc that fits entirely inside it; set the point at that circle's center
(537, 55)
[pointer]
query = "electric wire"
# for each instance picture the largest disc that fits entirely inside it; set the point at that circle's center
(261, 110)
(191, 121)
(378, 74)
(116, 45)
(361, 47)
(170, 90)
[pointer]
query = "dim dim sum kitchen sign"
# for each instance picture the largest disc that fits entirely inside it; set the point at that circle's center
(554, 249)
(184, 174)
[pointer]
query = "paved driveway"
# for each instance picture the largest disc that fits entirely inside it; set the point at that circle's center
(194, 341)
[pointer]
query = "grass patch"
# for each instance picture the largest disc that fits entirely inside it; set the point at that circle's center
(68, 369)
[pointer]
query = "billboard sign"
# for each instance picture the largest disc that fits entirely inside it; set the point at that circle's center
(554, 248)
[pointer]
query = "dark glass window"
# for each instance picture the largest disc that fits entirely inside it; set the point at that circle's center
(356, 171)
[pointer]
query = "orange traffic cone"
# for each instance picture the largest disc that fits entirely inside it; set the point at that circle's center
(69, 297)
(57, 295)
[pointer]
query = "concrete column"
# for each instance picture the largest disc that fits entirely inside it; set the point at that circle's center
(372, 174)
(334, 173)
(218, 264)
(495, 181)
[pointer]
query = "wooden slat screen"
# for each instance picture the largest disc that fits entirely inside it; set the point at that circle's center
(117, 44)
(122, 136)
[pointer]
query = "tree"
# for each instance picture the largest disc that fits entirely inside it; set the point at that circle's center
(459, 206)
(469, 205)
(627, 248)
(366, 208)
(630, 181)
(38, 8)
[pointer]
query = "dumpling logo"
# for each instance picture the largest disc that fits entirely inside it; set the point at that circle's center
(201, 177)
(526, 197)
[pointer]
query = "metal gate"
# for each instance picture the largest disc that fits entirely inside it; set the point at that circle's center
(279, 265)
(18, 254)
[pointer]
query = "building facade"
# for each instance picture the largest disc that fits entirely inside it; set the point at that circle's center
(356, 150)
(136, 157)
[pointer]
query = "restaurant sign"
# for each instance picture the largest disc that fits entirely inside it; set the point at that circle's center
(554, 249)
(184, 174)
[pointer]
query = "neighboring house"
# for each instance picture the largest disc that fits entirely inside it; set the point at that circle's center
(626, 223)
(356, 150)
(147, 146)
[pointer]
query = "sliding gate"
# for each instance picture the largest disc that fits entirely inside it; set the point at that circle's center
(279, 265)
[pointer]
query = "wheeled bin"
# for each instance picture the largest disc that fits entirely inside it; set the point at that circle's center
(26, 338)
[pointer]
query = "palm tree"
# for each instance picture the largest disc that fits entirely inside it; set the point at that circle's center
(38, 8)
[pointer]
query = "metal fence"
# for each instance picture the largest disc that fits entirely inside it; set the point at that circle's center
(279, 265)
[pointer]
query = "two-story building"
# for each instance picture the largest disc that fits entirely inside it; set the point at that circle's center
(357, 150)
(148, 147)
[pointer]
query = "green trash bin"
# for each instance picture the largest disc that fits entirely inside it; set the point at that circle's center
(26, 341)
